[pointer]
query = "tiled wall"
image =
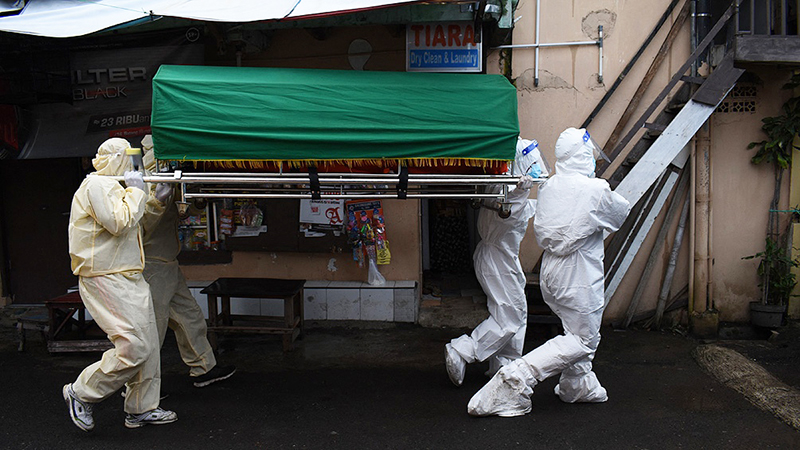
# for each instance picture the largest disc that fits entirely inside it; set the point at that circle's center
(395, 301)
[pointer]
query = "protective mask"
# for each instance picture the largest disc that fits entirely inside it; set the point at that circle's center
(535, 171)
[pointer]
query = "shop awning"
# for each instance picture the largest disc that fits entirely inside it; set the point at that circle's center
(60, 18)
(203, 113)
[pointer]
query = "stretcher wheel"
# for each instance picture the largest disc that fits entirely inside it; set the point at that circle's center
(183, 209)
(475, 203)
(505, 210)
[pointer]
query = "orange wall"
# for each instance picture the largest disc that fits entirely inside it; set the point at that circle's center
(569, 90)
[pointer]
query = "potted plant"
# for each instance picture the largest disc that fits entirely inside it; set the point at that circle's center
(775, 268)
(778, 281)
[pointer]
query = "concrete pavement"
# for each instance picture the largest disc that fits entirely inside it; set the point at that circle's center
(386, 387)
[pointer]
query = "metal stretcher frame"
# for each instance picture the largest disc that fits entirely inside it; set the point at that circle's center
(202, 185)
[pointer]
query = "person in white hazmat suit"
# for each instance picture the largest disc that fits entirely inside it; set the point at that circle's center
(105, 246)
(501, 336)
(174, 305)
(573, 211)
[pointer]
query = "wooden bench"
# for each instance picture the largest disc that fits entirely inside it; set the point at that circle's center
(61, 311)
(290, 326)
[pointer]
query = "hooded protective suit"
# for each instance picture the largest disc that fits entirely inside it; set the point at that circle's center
(501, 336)
(105, 248)
(573, 211)
(174, 305)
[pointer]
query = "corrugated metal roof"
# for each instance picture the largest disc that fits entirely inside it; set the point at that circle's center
(71, 18)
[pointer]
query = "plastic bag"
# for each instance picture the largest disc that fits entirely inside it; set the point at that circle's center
(375, 278)
(251, 215)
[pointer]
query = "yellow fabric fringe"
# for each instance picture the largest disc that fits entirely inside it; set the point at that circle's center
(354, 163)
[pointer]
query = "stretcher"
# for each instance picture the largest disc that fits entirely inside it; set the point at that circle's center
(235, 132)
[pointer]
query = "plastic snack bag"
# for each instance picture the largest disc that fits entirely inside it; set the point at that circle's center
(251, 215)
(381, 242)
(374, 277)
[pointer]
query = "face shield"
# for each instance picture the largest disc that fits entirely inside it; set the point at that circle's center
(529, 161)
(597, 152)
(135, 155)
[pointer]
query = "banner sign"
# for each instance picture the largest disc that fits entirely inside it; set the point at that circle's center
(443, 47)
(111, 95)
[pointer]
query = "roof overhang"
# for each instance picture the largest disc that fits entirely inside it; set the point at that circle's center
(72, 18)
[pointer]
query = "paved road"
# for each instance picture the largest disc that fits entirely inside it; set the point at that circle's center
(387, 389)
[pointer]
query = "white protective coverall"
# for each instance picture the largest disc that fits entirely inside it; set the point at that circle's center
(499, 338)
(105, 248)
(573, 211)
(174, 305)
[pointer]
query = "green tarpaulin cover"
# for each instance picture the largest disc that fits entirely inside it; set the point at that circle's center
(203, 113)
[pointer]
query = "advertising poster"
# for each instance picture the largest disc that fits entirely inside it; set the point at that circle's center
(322, 212)
(110, 96)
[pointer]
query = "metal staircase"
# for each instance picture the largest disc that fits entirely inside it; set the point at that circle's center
(652, 167)
(652, 162)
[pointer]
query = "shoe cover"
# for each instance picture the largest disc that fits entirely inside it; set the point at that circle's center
(495, 363)
(456, 366)
(584, 389)
(505, 395)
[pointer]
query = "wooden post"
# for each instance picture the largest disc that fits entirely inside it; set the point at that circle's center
(655, 253)
(648, 78)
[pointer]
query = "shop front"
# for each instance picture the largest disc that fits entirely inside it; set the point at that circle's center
(319, 174)
(297, 238)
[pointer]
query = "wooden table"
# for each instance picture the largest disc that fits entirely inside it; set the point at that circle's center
(290, 325)
(37, 320)
(60, 312)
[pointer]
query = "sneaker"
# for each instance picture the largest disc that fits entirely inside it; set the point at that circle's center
(156, 416)
(505, 395)
(456, 366)
(212, 376)
(80, 412)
